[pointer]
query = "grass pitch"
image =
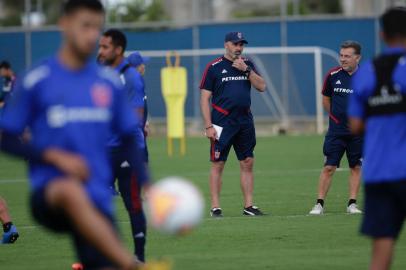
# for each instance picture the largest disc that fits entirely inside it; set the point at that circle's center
(286, 177)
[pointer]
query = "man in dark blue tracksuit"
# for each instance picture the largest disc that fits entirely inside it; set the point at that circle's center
(111, 53)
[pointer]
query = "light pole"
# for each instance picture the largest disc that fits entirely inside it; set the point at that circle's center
(27, 30)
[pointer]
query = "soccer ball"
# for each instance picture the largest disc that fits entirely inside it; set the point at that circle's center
(174, 205)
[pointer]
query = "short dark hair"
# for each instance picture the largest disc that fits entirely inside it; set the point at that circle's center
(117, 37)
(69, 6)
(351, 44)
(5, 64)
(393, 22)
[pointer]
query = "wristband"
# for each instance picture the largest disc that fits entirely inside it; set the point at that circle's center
(209, 127)
(248, 71)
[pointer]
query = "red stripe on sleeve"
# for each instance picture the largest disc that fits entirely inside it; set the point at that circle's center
(326, 78)
(206, 71)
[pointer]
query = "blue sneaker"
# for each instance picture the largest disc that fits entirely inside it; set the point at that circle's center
(10, 236)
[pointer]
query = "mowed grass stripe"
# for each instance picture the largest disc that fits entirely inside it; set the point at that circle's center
(287, 170)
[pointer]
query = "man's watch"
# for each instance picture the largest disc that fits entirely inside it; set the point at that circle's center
(248, 71)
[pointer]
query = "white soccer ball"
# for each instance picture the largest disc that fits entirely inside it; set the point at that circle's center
(174, 205)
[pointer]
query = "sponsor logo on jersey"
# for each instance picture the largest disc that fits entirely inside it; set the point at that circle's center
(235, 78)
(101, 95)
(59, 115)
(343, 90)
(224, 71)
(338, 82)
(385, 98)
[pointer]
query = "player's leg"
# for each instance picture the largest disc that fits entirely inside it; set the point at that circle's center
(219, 151)
(244, 144)
(247, 180)
(354, 182)
(382, 253)
(215, 181)
(131, 194)
(325, 179)
(333, 149)
(70, 196)
(354, 156)
(10, 234)
(4, 215)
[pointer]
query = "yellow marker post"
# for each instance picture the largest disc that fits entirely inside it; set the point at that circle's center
(174, 91)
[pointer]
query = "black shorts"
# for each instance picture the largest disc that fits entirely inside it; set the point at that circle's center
(336, 145)
(241, 137)
(385, 209)
(57, 221)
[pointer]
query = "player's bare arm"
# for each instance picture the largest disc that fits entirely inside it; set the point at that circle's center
(71, 164)
(356, 125)
(257, 81)
(205, 97)
(326, 103)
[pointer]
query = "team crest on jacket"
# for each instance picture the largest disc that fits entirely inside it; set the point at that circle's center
(101, 95)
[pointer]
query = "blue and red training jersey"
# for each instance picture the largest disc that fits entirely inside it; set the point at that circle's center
(337, 86)
(231, 92)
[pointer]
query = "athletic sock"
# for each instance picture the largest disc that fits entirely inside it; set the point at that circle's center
(351, 201)
(7, 226)
(320, 201)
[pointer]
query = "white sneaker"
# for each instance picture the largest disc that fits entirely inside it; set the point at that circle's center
(353, 209)
(317, 210)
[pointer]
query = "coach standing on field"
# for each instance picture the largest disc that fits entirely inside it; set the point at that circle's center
(227, 83)
(339, 140)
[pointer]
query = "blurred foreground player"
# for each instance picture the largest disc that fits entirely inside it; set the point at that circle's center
(70, 105)
(378, 108)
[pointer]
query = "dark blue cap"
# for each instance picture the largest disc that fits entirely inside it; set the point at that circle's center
(135, 59)
(235, 37)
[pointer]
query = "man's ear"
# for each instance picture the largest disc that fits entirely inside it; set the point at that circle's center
(119, 50)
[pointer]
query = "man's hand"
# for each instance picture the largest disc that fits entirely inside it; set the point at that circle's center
(211, 133)
(240, 64)
(71, 164)
(146, 129)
